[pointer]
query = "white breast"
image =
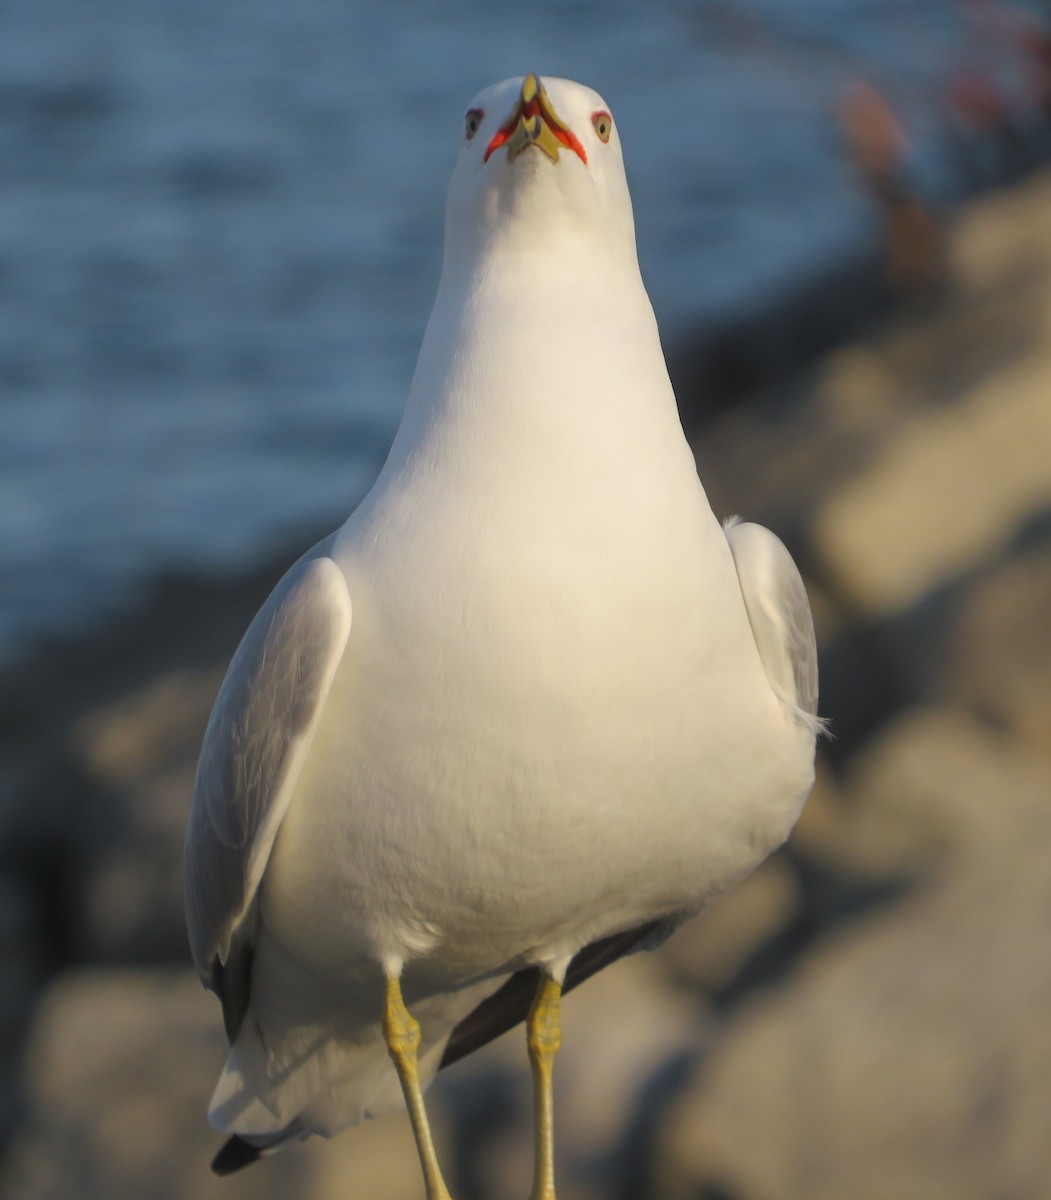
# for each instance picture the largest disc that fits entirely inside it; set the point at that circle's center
(537, 745)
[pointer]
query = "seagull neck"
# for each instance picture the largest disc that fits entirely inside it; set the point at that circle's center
(515, 335)
(541, 390)
(555, 381)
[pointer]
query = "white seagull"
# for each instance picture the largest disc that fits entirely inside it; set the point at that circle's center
(531, 706)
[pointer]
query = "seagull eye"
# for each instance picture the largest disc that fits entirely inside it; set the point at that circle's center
(472, 121)
(603, 123)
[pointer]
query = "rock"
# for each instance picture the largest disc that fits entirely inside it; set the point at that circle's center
(20, 969)
(955, 426)
(139, 756)
(939, 785)
(118, 1071)
(824, 829)
(909, 1055)
(927, 507)
(998, 648)
(709, 952)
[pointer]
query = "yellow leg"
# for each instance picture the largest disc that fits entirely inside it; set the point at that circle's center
(402, 1033)
(545, 1037)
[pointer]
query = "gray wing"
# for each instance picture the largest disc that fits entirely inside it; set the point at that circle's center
(779, 613)
(254, 747)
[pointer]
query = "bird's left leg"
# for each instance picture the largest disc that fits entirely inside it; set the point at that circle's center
(402, 1033)
(544, 1035)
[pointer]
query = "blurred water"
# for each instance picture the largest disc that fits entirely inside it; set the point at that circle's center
(220, 235)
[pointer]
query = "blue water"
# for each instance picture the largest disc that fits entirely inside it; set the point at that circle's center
(220, 228)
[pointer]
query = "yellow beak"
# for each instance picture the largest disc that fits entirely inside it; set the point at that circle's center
(533, 129)
(534, 122)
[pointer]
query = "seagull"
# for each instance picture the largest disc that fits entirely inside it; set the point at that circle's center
(528, 709)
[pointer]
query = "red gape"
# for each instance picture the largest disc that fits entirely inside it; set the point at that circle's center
(502, 135)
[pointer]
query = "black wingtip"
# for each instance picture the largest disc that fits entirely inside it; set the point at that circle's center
(234, 1154)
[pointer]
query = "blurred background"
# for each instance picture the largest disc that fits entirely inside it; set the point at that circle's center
(220, 235)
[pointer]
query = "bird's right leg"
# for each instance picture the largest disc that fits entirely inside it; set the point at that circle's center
(402, 1033)
(544, 1038)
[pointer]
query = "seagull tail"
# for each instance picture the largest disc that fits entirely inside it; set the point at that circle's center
(234, 1154)
(237, 1152)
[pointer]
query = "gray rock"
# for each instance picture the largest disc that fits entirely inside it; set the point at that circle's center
(20, 970)
(938, 787)
(927, 507)
(139, 756)
(708, 952)
(998, 648)
(953, 416)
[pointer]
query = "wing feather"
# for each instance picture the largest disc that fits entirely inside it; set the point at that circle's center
(254, 746)
(779, 613)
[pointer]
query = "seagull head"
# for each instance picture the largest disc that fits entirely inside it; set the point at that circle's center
(540, 168)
